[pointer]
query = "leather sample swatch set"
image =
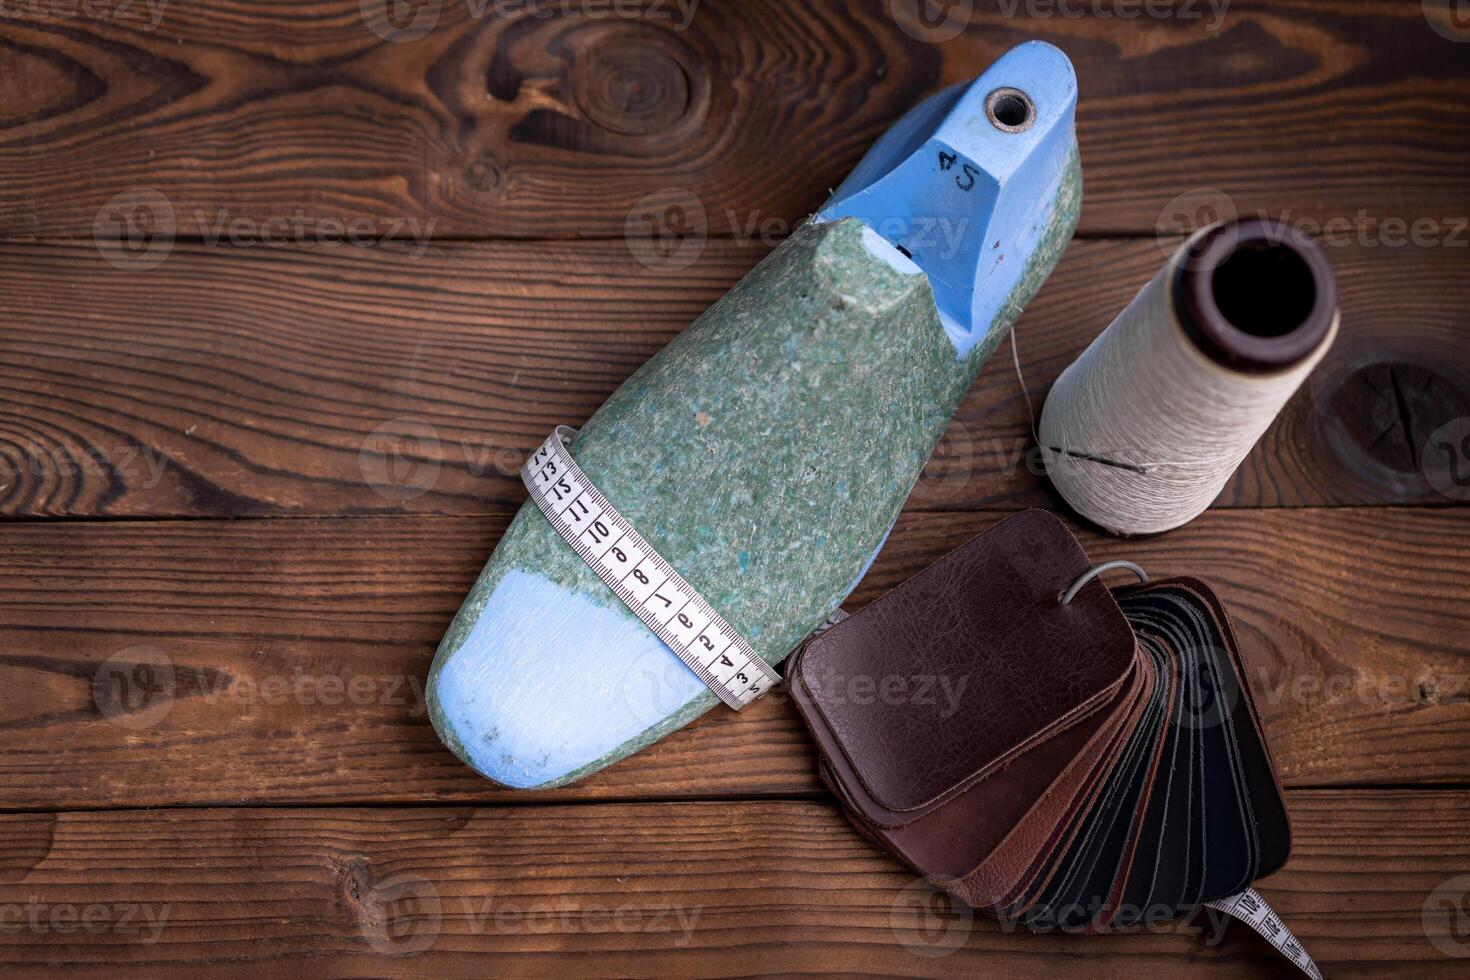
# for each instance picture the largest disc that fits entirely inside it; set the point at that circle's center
(1080, 765)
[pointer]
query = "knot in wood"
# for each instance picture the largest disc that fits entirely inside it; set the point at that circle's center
(631, 84)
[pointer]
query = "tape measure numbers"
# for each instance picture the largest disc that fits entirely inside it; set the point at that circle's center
(1249, 907)
(704, 641)
(647, 584)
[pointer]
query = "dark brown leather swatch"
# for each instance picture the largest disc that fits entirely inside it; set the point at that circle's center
(1063, 765)
(967, 664)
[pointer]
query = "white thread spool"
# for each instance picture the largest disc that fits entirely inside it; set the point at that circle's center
(1142, 432)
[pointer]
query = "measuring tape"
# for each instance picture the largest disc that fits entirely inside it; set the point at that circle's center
(705, 642)
(640, 576)
(1249, 907)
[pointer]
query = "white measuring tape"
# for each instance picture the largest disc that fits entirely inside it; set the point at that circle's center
(1249, 907)
(640, 576)
(704, 641)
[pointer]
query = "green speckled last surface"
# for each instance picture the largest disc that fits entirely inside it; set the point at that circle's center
(768, 449)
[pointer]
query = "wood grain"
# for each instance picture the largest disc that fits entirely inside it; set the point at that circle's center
(233, 382)
(205, 663)
(538, 126)
(187, 340)
(731, 889)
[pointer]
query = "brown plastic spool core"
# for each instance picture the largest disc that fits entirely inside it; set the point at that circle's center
(1256, 296)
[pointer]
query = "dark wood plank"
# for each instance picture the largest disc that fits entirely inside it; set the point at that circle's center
(199, 663)
(733, 889)
(561, 126)
(237, 382)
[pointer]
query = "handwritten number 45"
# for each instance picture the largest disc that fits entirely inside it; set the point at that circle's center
(965, 180)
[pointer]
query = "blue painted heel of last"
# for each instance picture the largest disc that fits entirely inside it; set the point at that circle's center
(767, 450)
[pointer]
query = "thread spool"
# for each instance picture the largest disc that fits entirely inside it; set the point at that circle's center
(1142, 432)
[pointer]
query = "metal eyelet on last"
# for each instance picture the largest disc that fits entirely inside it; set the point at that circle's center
(1092, 573)
(1010, 110)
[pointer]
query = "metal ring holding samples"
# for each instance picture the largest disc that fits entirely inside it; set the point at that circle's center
(1097, 570)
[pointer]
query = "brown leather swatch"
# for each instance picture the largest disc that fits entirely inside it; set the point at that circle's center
(1045, 761)
(979, 661)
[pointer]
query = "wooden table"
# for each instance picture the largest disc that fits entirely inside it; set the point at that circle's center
(250, 468)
